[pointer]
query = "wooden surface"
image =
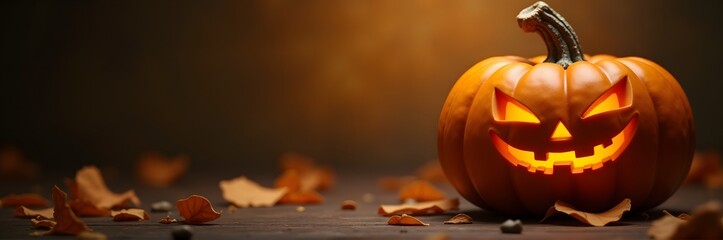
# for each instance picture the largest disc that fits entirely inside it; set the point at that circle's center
(329, 221)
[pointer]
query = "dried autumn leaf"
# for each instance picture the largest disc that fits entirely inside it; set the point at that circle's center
(348, 205)
(303, 198)
(92, 188)
(133, 214)
(431, 171)
(421, 191)
(459, 219)
(31, 200)
(42, 223)
(243, 192)
(23, 212)
(405, 220)
(87, 209)
(307, 175)
(157, 170)
(704, 223)
(196, 210)
(593, 219)
(66, 221)
(682, 216)
(167, 220)
(422, 208)
(393, 184)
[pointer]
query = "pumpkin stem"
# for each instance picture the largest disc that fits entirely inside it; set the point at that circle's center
(562, 45)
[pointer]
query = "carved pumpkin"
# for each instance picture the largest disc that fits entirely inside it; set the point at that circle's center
(516, 134)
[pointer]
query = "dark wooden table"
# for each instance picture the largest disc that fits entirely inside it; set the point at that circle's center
(327, 220)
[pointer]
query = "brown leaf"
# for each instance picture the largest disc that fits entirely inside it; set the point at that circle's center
(196, 210)
(23, 212)
(87, 209)
(593, 219)
(432, 171)
(420, 190)
(43, 223)
(405, 220)
(682, 216)
(422, 208)
(31, 200)
(92, 188)
(303, 198)
(157, 170)
(393, 184)
(133, 214)
(704, 223)
(459, 219)
(246, 193)
(167, 220)
(348, 205)
(66, 221)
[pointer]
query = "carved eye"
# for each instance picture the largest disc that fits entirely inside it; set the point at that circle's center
(617, 97)
(509, 110)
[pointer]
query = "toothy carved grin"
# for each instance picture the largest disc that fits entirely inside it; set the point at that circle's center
(602, 153)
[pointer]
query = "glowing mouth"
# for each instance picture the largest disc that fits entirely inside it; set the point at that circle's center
(601, 155)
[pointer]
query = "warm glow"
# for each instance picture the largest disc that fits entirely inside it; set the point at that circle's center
(615, 98)
(601, 153)
(512, 111)
(561, 133)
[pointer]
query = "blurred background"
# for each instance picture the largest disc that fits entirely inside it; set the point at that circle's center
(354, 84)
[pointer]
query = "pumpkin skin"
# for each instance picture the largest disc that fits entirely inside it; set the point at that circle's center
(652, 113)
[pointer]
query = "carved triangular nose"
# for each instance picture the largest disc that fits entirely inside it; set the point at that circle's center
(560, 133)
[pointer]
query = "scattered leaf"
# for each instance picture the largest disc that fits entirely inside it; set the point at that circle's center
(157, 170)
(420, 190)
(682, 216)
(593, 219)
(704, 223)
(30, 200)
(348, 205)
(310, 176)
(459, 219)
(393, 184)
(42, 223)
(15, 167)
(162, 206)
(87, 209)
(246, 193)
(422, 208)
(167, 220)
(23, 212)
(511, 226)
(432, 171)
(91, 188)
(133, 214)
(405, 220)
(196, 210)
(91, 236)
(66, 221)
(304, 198)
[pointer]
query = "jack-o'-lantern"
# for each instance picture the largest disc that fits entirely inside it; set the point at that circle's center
(516, 134)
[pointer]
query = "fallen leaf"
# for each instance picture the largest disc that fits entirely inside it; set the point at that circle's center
(243, 192)
(405, 220)
(422, 208)
(66, 221)
(683, 216)
(196, 210)
(303, 198)
(133, 214)
(156, 170)
(704, 223)
(421, 191)
(593, 219)
(348, 205)
(87, 209)
(432, 171)
(15, 167)
(167, 220)
(91, 188)
(393, 184)
(309, 176)
(42, 223)
(23, 212)
(459, 219)
(31, 200)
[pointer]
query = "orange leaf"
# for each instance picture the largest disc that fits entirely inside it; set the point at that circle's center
(245, 193)
(422, 208)
(704, 223)
(459, 219)
(133, 214)
(303, 198)
(43, 223)
(593, 219)
(420, 190)
(92, 188)
(196, 210)
(23, 212)
(348, 205)
(160, 171)
(87, 209)
(67, 222)
(682, 216)
(167, 220)
(28, 199)
(431, 171)
(304, 174)
(405, 220)
(391, 184)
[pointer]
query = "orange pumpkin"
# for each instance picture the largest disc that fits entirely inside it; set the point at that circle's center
(517, 134)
